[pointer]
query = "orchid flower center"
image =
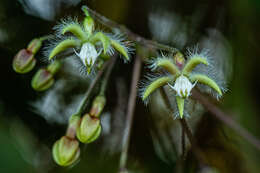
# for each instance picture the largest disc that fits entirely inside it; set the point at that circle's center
(88, 54)
(182, 86)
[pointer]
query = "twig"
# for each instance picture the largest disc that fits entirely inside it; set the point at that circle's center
(130, 113)
(225, 118)
(91, 87)
(132, 36)
(106, 77)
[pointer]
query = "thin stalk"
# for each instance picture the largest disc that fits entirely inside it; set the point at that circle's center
(132, 36)
(130, 114)
(83, 104)
(106, 77)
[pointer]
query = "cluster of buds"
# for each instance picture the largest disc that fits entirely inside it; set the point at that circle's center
(24, 61)
(66, 150)
(44, 78)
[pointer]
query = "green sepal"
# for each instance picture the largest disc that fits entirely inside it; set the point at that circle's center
(192, 63)
(103, 39)
(62, 46)
(34, 45)
(120, 49)
(88, 128)
(180, 104)
(168, 65)
(154, 85)
(89, 25)
(95, 135)
(206, 81)
(42, 80)
(23, 61)
(65, 151)
(75, 29)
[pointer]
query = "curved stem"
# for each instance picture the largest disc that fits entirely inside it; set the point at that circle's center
(106, 77)
(83, 104)
(132, 36)
(130, 114)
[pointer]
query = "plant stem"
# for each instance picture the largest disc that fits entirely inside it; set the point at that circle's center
(130, 113)
(91, 87)
(46, 37)
(132, 36)
(106, 77)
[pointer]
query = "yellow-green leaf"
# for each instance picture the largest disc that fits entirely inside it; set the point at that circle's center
(103, 39)
(168, 65)
(154, 85)
(192, 63)
(206, 81)
(120, 48)
(180, 104)
(62, 46)
(76, 30)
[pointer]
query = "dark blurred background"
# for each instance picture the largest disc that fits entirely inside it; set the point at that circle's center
(26, 137)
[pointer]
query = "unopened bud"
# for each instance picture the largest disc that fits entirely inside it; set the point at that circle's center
(73, 125)
(24, 61)
(89, 129)
(179, 59)
(89, 24)
(66, 151)
(34, 45)
(54, 67)
(98, 106)
(42, 80)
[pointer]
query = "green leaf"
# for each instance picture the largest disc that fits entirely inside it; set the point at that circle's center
(168, 65)
(192, 63)
(206, 81)
(120, 48)
(76, 30)
(62, 46)
(102, 38)
(154, 85)
(180, 104)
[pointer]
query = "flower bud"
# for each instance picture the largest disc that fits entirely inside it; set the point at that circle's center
(98, 105)
(24, 61)
(179, 59)
(54, 67)
(66, 151)
(42, 80)
(89, 129)
(89, 24)
(34, 45)
(73, 125)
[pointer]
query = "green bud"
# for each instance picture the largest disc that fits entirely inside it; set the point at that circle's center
(54, 67)
(23, 61)
(98, 105)
(73, 125)
(89, 24)
(34, 45)
(66, 151)
(42, 80)
(89, 129)
(179, 59)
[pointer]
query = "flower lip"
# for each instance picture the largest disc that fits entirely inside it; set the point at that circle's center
(88, 54)
(182, 86)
